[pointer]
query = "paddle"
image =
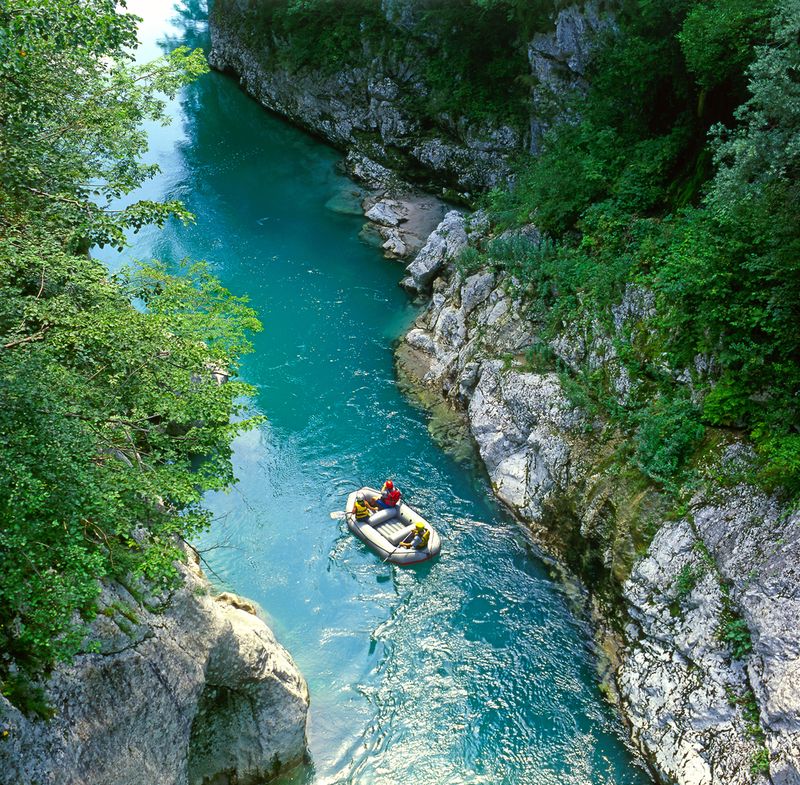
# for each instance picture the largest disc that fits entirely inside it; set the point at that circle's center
(396, 547)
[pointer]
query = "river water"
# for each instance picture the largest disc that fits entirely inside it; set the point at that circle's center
(472, 669)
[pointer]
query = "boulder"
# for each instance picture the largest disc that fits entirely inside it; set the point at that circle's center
(386, 212)
(191, 692)
(444, 244)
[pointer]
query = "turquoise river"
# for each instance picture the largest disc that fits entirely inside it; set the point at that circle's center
(472, 669)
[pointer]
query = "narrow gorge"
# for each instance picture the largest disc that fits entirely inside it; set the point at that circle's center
(534, 260)
(695, 598)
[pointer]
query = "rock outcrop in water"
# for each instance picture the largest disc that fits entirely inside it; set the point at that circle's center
(370, 101)
(190, 689)
(729, 562)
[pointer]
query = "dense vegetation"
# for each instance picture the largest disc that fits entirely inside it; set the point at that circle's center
(111, 423)
(681, 178)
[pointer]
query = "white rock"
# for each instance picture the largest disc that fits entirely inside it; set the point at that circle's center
(443, 245)
(394, 243)
(475, 290)
(196, 692)
(385, 212)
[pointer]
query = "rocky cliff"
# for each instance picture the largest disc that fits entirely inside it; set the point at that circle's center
(705, 598)
(697, 601)
(376, 97)
(185, 689)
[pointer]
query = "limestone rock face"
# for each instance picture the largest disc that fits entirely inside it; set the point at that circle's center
(678, 681)
(697, 713)
(756, 546)
(194, 692)
(367, 104)
(362, 168)
(682, 675)
(442, 246)
(521, 422)
(559, 61)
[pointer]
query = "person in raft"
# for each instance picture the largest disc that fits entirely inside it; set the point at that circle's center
(418, 539)
(363, 508)
(390, 496)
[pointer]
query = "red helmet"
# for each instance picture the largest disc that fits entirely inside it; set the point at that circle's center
(389, 485)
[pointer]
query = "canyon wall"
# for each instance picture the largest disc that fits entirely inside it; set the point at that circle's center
(699, 603)
(371, 100)
(187, 688)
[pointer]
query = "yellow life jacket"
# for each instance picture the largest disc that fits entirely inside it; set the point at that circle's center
(362, 511)
(425, 537)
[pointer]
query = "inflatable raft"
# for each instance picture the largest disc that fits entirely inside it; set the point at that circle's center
(384, 530)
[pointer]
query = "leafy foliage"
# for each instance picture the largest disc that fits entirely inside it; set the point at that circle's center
(474, 61)
(112, 424)
(104, 419)
(760, 762)
(687, 580)
(717, 38)
(665, 183)
(72, 107)
(667, 436)
(323, 34)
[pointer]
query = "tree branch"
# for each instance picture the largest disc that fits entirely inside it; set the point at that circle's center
(28, 338)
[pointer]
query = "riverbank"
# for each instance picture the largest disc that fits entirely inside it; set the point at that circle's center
(186, 687)
(691, 635)
(694, 601)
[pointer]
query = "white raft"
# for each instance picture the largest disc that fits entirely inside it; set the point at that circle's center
(384, 530)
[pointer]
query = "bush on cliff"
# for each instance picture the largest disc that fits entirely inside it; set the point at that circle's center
(681, 176)
(111, 424)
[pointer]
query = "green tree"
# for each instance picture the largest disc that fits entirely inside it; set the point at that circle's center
(72, 104)
(112, 420)
(717, 38)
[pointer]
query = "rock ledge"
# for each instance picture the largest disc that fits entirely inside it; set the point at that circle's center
(192, 692)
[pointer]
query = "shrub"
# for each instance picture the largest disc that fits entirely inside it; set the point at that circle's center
(669, 432)
(733, 631)
(687, 579)
(760, 762)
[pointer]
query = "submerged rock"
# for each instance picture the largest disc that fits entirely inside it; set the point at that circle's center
(193, 692)
(347, 201)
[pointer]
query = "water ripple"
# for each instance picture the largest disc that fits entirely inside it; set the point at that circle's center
(468, 671)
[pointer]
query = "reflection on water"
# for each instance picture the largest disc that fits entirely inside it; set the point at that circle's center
(471, 669)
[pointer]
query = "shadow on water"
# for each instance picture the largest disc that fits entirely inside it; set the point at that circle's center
(469, 669)
(189, 26)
